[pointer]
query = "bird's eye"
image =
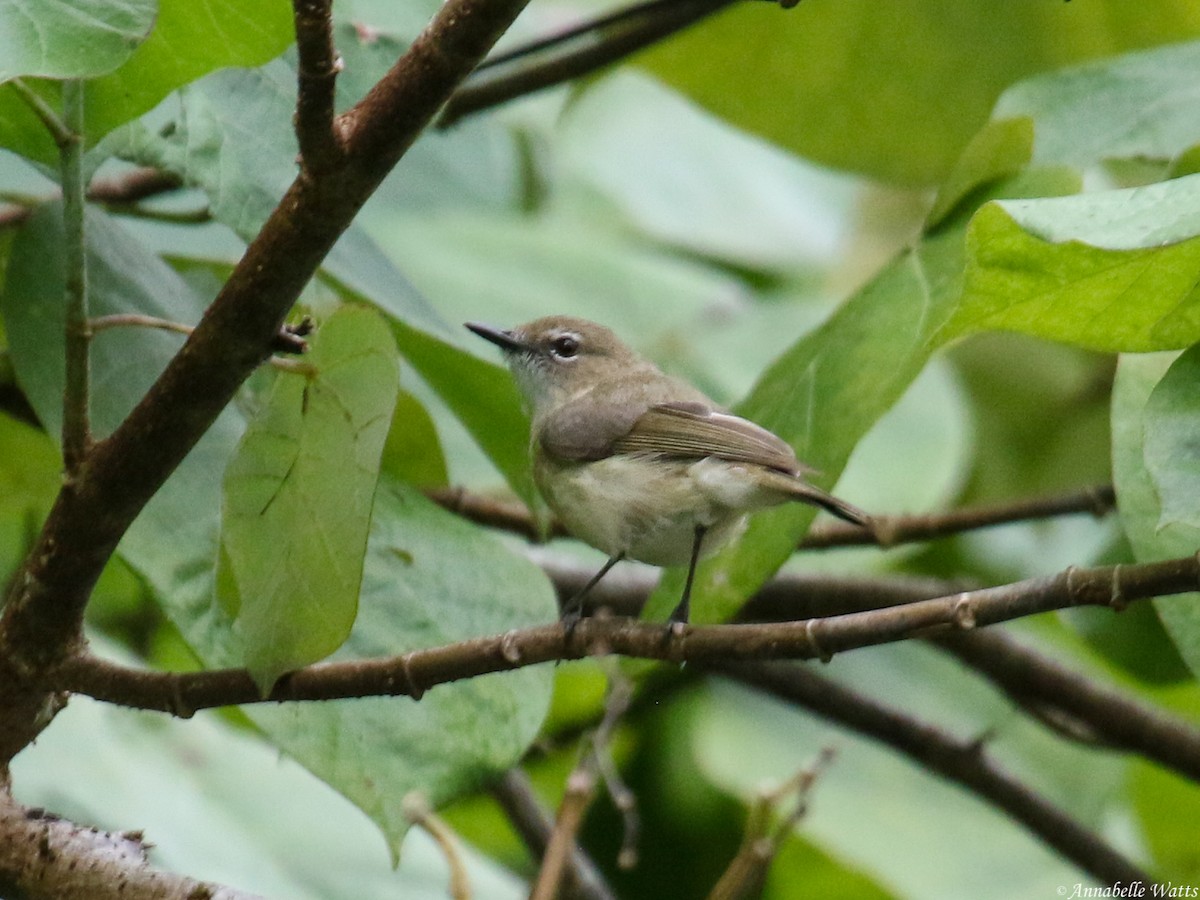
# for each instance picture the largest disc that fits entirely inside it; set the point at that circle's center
(565, 347)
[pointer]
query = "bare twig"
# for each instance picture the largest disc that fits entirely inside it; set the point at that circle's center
(515, 795)
(620, 695)
(1097, 501)
(581, 786)
(964, 762)
(317, 71)
(291, 338)
(133, 186)
(602, 42)
(747, 871)
(417, 810)
(413, 673)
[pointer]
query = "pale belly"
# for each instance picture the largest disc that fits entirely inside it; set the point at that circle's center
(649, 510)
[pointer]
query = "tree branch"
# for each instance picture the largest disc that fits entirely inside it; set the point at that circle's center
(45, 856)
(1097, 501)
(42, 619)
(902, 529)
(413, 673)
(317, 71)
(603, 42)
(963, 762)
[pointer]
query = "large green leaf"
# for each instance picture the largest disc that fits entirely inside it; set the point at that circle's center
(189, 39)
(429, 578)
(298, 496)
(1171, 430)
(1142, 298)
(1152, 532)
(81, 39)
(894, 90)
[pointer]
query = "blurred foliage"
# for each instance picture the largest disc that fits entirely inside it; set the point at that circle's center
(949, 343)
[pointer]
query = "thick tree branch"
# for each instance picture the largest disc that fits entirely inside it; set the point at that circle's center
(43, 856)
(413, 673)
(961, 761)
(41, 623)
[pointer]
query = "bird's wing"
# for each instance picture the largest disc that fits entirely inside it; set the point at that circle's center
(579, 432)
(695, 431)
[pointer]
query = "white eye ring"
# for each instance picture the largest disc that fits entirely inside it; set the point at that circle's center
(565, 346)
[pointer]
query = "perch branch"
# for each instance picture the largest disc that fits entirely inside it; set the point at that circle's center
(412, 673)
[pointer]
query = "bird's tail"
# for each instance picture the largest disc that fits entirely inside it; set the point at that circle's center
(799, 489)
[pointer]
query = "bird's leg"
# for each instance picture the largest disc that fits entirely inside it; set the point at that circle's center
(683, 610)
(572, 610)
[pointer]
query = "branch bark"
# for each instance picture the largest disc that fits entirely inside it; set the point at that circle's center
(413, 673)
(44, 856)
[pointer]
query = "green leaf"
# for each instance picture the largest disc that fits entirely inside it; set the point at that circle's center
(412, 452)
(1139, 105)
(895, 90)
(298, 496)
(1138, 299)
(1001, 149)
(1172, 442)
(123, 277)
(189, 39)
(81, 39)
(1138, 501)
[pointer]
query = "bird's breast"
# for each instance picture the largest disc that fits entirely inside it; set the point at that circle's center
(649, 508)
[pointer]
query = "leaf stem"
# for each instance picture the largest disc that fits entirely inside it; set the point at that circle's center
(58, 127)
(76, 426)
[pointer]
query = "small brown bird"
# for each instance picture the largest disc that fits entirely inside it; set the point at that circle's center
(639, 464)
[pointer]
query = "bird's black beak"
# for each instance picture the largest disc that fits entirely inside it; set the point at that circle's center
(502, 339)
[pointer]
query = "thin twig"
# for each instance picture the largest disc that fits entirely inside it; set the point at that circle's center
(620, 695)
(581, 786)
(604, 42)
(415, 672)
(417, 810)
(76, 420)
(292, 337)
(1096, 501)
(746, 873)
(131, 187)
(317, 70)
(515, 796)
(902, 529)
(964, 762)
